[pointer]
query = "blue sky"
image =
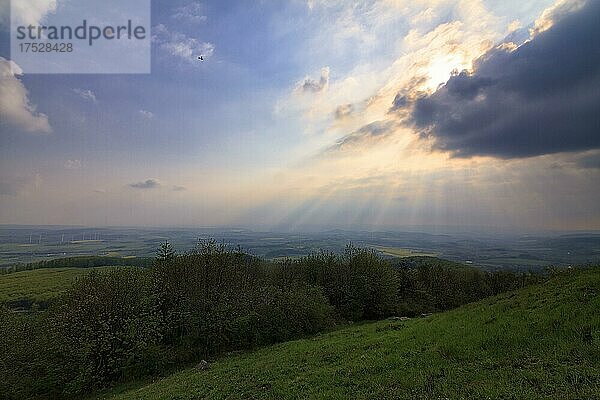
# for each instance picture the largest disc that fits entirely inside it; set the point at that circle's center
(275, 127)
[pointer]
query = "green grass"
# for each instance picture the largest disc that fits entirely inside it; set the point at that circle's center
(542, 342)
(38, 285)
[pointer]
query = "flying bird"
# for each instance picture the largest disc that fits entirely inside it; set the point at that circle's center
(201, 58)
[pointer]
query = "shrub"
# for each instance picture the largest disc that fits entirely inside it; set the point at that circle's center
(108, 322)
(213, 300)
(437, 287)
(272, 314)
(359, 284)
(31, 365)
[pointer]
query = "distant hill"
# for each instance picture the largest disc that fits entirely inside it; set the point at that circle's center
(542, 341)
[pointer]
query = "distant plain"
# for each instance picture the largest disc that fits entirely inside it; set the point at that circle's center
(24, 244)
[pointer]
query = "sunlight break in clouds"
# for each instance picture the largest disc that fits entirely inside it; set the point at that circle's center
(378, 142)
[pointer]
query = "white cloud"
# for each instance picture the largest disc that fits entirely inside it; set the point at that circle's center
(15, 109)
(191, 13)
(180, 46)
(418, 44)
(86, 94)
(409, 46)
(554, 13)
(439, 36)
(347, 26)
(26, 12)
(146, 114)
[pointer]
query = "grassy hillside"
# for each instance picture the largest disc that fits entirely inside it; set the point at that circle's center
(539, 342)
(39, 285)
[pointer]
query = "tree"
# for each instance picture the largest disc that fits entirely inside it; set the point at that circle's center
(165, 252)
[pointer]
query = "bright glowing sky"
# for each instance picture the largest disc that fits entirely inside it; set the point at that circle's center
(318, 113)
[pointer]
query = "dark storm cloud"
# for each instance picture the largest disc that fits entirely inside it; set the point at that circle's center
(542, 98)
(147, 184)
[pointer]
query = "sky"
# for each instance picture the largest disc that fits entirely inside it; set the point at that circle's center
(318, 114)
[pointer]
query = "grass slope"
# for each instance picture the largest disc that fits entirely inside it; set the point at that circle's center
(38, 285)
(539, 342)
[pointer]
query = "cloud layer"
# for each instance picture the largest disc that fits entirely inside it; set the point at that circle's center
(15, 109)
(539, 98)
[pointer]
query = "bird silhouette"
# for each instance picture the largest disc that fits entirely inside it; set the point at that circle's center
(201, 58)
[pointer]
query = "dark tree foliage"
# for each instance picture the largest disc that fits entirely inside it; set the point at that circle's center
(165, 252)
(108, 322)
(442, 286)
(359, 283)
